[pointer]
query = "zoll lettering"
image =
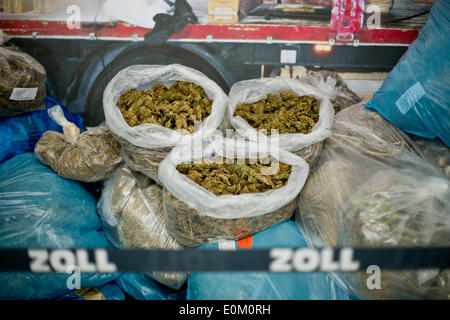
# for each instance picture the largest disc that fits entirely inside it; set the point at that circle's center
(310, 259)
(60, 260)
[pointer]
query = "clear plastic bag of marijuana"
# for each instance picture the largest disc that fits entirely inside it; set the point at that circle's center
(435, 151)
(90, 156)
(303, 111)
(22, 83)
(131, 209)
(146, 144)
(195, 215)
(373, 188)
(407, 207)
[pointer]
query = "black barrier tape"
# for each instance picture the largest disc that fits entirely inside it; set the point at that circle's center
(275, 259)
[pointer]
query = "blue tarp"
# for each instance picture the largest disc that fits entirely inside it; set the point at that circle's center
(109, 291)
(265, 285)
(19, 134)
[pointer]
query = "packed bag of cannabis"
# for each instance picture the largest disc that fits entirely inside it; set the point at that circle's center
(434, 151)
(373, 187)
(22, 82)
(132, 212)
(295, 113)
(89, 157)
(228, 189)
(153, 108)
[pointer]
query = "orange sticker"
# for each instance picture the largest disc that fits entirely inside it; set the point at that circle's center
(245, 243)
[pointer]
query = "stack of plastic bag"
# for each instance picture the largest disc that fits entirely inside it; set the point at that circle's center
(195, 215)
(146, 145)
(131, 208)
(373, 187)
(40, 209)
(308, 146)
(90, 156)
(265, 285)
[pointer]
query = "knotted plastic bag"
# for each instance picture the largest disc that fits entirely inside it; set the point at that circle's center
(90, 156)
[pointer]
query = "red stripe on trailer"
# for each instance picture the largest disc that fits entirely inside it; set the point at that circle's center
(203, 32)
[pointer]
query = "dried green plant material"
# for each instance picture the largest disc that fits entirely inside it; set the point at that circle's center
(286, 112)
(137, 205)
(359, 137)
(178, 107)
(143, 160)
(435, 151)
(92, 157)
(19, 70)
(192, 228)
(390, 210)
(236, 176)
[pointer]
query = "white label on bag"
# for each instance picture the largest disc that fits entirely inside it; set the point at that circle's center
(227, 245)
(23, 94)
(288, 56)
(410, 97)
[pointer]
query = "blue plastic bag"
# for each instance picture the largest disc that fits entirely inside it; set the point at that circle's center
(109, 291)
(140, 286)
(416, 94)
(265, 285)
(19, 134)
(40, 209)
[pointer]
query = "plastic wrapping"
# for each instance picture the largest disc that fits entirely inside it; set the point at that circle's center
(415, 96)
(90, 156)
(147, 144)
(22, 83)
(141, 286)
(434, 151)
(132, 212)
(3, 37)
(265, 285)
(400, 208)
(373, 188)
(40, 209)
(195, 215)
(307, 146)
(109, 291)
(361, 144)
(19, 134)
(141, 13)
(344, 98)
